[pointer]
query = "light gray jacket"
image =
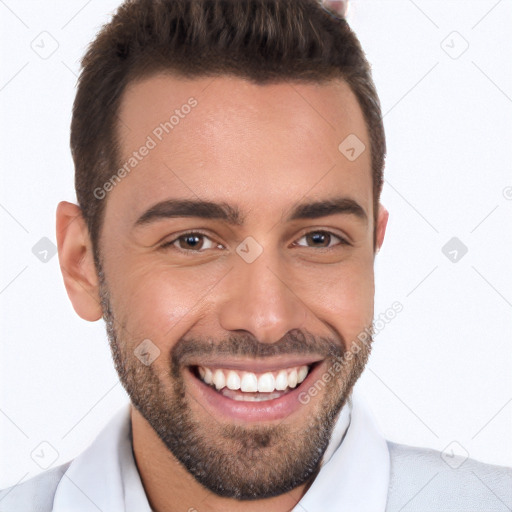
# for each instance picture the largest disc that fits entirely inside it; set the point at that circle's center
(420, 481)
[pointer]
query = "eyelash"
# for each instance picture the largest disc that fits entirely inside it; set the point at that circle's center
(167, 245)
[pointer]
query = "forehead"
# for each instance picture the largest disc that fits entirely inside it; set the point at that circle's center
(225, 138)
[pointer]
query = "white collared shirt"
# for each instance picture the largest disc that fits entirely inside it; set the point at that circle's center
(354, 472)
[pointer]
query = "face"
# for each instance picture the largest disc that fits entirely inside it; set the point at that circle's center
(237, 272)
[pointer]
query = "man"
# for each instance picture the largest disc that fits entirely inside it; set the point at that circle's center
(229, 160)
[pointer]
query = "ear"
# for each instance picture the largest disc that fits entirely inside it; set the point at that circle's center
(382, 222)
(77, 261)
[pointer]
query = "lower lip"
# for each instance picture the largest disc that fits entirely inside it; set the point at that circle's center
(267, 410)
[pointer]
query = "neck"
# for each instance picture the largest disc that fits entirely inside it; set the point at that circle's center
(170, 487)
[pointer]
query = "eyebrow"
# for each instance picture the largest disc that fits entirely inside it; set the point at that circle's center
(337, 205)
(191, 208)
(172, 208)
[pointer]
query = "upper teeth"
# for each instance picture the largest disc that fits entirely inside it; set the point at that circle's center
(252, 382)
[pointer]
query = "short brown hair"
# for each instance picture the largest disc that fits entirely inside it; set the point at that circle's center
(260, 40)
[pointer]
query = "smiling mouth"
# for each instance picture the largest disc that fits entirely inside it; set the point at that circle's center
(241, 385)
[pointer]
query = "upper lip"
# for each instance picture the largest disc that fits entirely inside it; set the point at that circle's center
(258, 365)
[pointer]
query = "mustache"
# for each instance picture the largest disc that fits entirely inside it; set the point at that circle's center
(294, 342)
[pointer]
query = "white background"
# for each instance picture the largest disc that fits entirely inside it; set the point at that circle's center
(440, 372)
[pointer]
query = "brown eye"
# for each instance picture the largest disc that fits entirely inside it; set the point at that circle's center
(321, 239)
(192, 241)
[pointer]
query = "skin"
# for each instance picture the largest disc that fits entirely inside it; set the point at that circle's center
(264, 149)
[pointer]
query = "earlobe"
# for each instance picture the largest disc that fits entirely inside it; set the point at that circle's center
(76, 261)
(382, 222)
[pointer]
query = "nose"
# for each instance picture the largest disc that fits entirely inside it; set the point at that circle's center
(260, 299)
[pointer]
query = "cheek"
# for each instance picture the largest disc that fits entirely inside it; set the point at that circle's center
(160, 302)
(343, 295)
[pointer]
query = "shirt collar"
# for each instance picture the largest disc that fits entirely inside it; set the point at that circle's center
(354, 472)
(338, 432)
(104, 477)
(356, 477)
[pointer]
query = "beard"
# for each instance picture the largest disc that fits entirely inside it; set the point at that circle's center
(244, 462)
